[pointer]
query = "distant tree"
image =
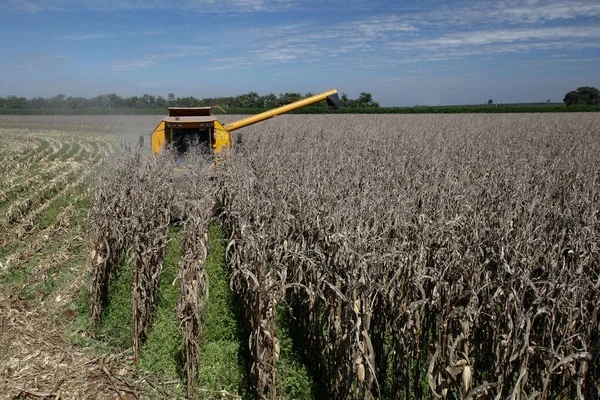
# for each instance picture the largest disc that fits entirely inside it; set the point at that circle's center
(57, 101)
(249, 100)
(160, 101)
(132, 101)
(190, 101)
(147, 100)
(224, 102)
(114, 100)
(13, 101)
(548, 101)
(270, 101)
(75, 102)
(37, 103)
(583, 95)
(344, 101)
(287, 98)
(366, 100)
(490, 102)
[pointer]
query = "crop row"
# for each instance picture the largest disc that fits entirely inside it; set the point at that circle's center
(452, 257)
(421, 256)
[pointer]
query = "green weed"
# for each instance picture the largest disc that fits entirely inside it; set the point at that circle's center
(116, 320)
(295, 379)
(223, 357)
(161, 353)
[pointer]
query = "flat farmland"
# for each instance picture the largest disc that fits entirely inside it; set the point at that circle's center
(332, 256)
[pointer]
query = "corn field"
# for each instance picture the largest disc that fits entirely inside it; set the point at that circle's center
(452, 257)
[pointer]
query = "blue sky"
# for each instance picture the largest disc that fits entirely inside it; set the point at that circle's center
(404, 53)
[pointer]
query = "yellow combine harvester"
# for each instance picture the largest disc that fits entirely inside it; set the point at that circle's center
(197, 126)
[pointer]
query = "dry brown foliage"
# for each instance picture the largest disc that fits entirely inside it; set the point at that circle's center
(196, 200)
(134, 204)
(457, 250)
(131, 214)
(111, 232)
(446, 256)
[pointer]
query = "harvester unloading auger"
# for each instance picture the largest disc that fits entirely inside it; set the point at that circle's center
(198, 126)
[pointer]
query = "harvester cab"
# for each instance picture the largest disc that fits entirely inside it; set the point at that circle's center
(197, 126)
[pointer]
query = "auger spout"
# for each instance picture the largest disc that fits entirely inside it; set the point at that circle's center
(330, 96)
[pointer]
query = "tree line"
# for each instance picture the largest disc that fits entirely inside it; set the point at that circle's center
(584, 95)
(251, 100)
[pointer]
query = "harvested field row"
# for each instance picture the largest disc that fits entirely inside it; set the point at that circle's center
(42, 265)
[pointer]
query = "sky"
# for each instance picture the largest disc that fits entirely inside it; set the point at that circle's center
(404, 53)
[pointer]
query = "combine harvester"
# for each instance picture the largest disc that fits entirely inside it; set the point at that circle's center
(197, 126)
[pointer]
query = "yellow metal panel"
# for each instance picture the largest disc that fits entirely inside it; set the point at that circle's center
(158, 138)
(222, 143)
(221, 139)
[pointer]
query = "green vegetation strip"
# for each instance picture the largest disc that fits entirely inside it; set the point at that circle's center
(223, 358)
(117, 316)
(224, 355)
(161, 353)
(75, 147)
(295, 380)
(80, 202)
(450, 109)
(60, 154)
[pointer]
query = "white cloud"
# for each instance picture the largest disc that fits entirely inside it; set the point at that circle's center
(497, 41)
(88, 36)
(31, 6)
(93, 36)
(131, 65)
(508, 12)
(534, 11)
(483, 37)
(221, 6)
(472, 29)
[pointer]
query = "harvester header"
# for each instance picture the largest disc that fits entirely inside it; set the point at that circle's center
(193, 126)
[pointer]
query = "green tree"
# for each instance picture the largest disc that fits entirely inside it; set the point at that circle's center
(490, 102)
(147, 100)
(13, 101)
(287, 98)
(160, 101)
(366, 100)
(75, 102)
(249, 100)
(583, 95)
(270, 101)
(344, 100)
(114, 100)
(37, 103)
(57, 101)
